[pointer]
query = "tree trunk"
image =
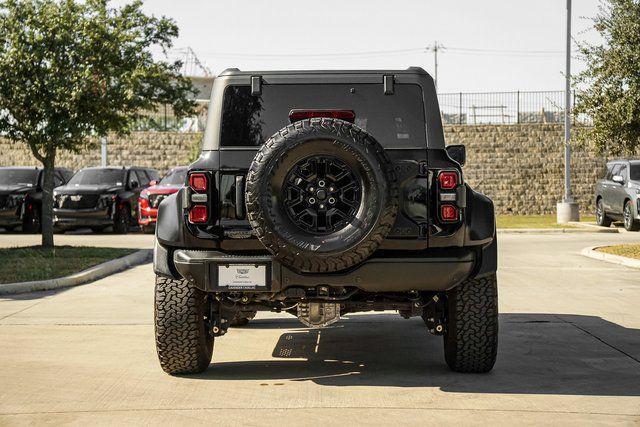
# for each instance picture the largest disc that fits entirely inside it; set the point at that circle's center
(47, 200)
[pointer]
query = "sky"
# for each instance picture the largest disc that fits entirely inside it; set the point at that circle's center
(488, 45)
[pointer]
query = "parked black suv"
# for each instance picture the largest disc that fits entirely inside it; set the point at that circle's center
(321, 194)
(21, 196)
(618, 194)
(101, 197)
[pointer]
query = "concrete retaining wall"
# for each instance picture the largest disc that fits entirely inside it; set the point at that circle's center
(519, 166)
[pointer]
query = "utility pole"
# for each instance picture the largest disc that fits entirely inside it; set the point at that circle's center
(434, 49)
(567, 210)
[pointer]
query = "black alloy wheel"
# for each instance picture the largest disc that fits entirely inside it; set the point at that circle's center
(321, 194)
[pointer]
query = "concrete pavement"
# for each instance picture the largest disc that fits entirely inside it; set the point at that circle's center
(569, 354)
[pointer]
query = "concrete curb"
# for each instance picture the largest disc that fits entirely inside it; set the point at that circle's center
(89, 275)
(591, 252)
(578, 229)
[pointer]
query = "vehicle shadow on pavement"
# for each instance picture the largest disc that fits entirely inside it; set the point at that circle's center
(539, 354)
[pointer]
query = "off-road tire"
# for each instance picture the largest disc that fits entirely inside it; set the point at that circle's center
(183, 342)
(471, 338)
(601, 218)
(121, 220)
(295, 247)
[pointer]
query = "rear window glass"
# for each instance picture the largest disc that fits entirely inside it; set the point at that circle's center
(396, 121)
(634, 172)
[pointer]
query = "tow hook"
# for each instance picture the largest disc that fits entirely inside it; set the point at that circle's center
(434, 315)
(218, 322)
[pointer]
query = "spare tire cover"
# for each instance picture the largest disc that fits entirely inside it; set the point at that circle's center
(321, 195)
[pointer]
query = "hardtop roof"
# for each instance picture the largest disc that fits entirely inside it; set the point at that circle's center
(237, 72)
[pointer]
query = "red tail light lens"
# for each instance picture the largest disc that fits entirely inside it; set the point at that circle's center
(199, 214)
(448, 180)
(449, 213)
(346, 115)
(198, 182)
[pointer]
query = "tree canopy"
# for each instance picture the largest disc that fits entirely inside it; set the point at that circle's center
(610, 85)
(72, 70)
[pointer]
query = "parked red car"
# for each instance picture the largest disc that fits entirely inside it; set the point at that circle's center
(151, 197)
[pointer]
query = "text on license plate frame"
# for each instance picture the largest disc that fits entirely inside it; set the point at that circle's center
(242, 276)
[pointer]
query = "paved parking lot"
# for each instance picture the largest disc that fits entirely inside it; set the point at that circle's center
(569, 354)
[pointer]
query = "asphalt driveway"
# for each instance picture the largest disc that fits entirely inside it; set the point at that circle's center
(569, 353)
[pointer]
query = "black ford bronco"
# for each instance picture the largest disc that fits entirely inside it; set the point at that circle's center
(321, 194)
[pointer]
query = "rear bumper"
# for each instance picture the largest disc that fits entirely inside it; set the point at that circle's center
(63, 218)
(388, 274)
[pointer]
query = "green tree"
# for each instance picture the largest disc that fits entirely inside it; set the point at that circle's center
(71, 71)
(610, 85)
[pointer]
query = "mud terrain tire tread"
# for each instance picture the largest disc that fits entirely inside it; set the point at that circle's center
(285, 251)
(471, 340)
(183, 344)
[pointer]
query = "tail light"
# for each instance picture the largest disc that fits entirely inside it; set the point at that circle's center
(199, 184)
(346, 115)
(199, 214)
(448, 182)
(449, 213)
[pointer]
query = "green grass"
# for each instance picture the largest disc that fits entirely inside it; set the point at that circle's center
(534, 221)
(630, 251)
(37, 263)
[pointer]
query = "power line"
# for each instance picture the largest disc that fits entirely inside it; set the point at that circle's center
(315, 55)
(416, 50)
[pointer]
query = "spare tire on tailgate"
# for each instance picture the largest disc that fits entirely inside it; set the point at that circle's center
(321, 195)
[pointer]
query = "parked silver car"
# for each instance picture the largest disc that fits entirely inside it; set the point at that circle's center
(618, 194)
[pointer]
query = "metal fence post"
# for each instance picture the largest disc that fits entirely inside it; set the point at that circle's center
(460, 109)
(518, 108)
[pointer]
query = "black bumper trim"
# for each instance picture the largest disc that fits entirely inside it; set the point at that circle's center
(427, 273)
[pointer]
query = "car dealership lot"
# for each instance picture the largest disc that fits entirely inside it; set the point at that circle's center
(569, 352)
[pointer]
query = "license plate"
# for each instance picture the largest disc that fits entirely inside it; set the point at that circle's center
(242, 276)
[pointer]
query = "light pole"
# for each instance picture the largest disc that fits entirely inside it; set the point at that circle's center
(103, 151)
(567, 210)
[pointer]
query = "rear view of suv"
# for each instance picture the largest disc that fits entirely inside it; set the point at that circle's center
(618, 194)
(319, 194)
(101, 197)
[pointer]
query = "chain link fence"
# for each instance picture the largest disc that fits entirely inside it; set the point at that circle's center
(460, 108)
(507, 108)
(163, 120)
